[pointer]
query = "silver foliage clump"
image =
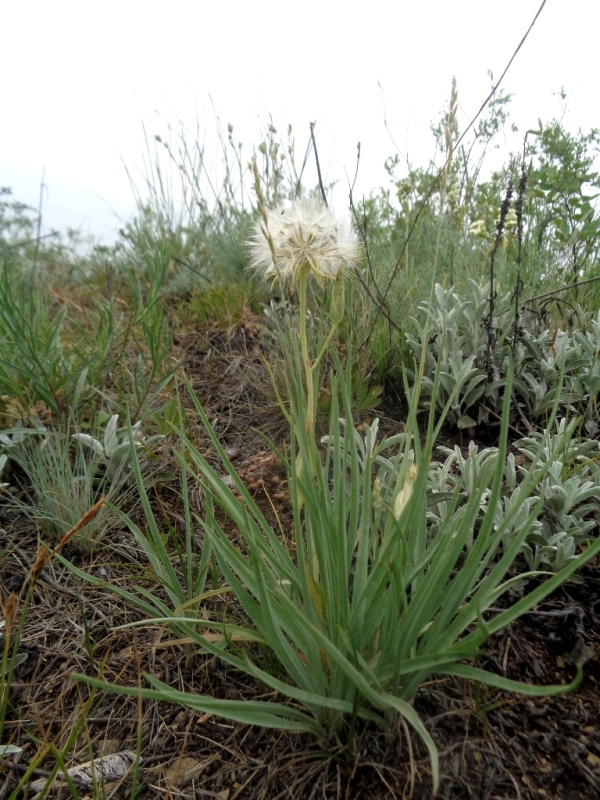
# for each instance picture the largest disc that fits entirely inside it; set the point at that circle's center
(451, 336)
(116, 449)
(564, 504)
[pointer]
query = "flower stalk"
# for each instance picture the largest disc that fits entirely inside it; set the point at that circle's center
(295, 246)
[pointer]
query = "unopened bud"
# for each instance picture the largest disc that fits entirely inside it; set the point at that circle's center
(405, 492)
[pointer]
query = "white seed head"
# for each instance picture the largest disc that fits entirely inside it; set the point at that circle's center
(306, 235)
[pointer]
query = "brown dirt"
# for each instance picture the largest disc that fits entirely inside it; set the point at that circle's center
(493, 745)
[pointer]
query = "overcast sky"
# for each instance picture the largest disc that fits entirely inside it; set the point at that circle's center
(81, 80)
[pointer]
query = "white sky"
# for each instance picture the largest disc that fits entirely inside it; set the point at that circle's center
(81, 79)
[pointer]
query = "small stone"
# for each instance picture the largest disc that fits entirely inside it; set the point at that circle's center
(184, 770)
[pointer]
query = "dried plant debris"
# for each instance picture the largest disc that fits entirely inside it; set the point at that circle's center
(99, 771)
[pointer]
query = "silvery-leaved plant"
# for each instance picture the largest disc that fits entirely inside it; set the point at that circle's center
(451, 338)
(549, 552)
(565, 521)
(565, 516)
(560, 362)
(562, 442)
(62, 476)
(570, 490)
(582, 370)
(3, 460)
(11, 440)
(12, 443)
(589, 343)
(566, 498)
(368, 447)
(378, 459)
(462, 477)
(115, 448)
(451, 333)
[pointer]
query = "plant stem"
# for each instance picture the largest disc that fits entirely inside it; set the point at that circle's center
(308, 367)
(309, 421)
